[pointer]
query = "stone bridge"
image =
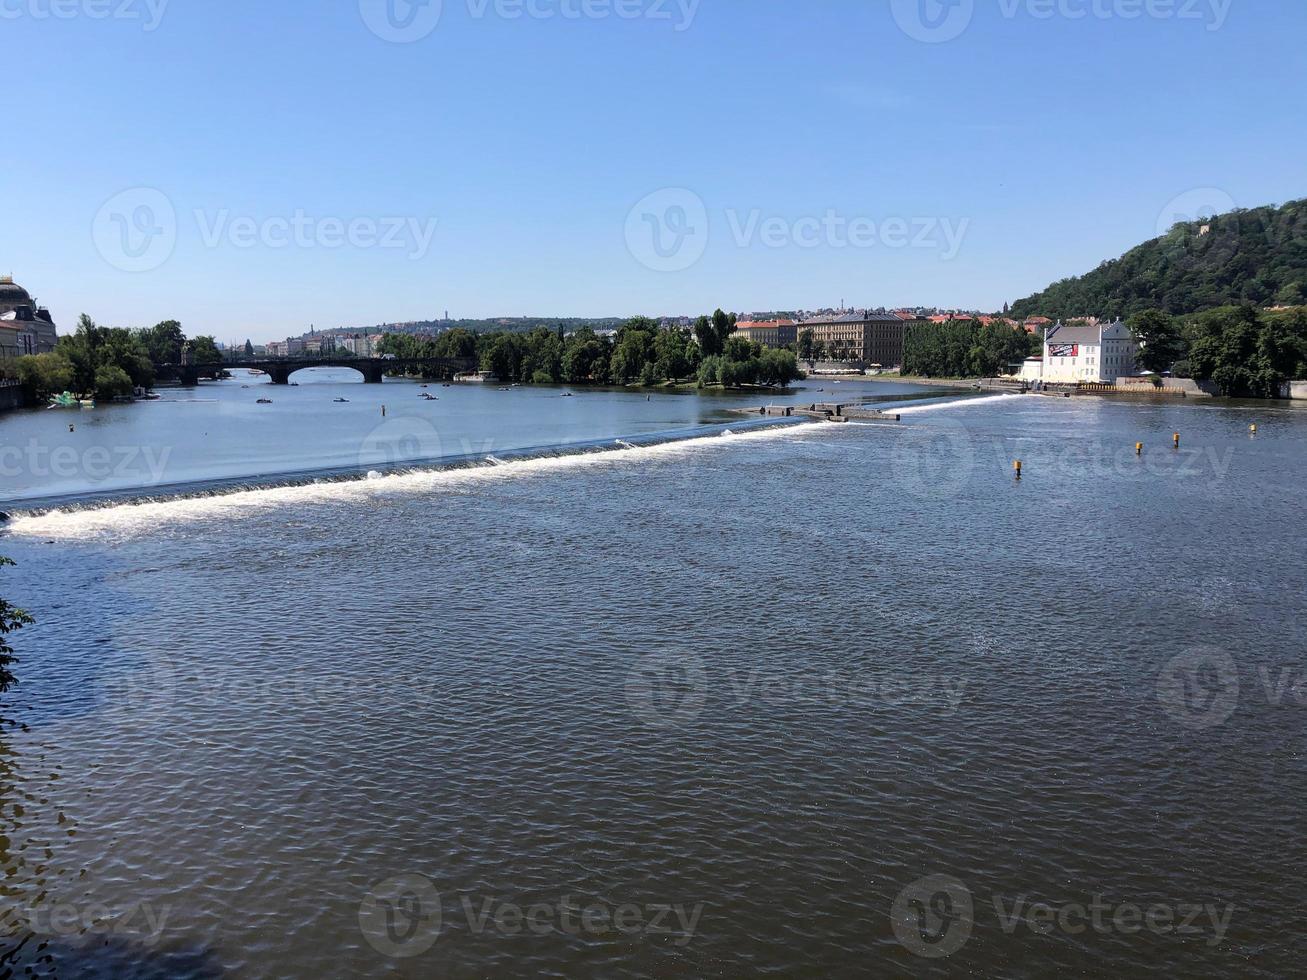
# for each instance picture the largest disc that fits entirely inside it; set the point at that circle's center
(373, 369)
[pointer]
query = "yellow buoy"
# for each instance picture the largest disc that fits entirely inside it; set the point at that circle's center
(1177, 440)
(1016, 467)
(1139, 448)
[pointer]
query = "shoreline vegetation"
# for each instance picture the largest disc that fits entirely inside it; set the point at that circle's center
(642, 353)
(108, 362)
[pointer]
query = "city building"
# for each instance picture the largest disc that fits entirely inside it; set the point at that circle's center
(25, 327)
(769, 333)
(1091, 353)
(361, 345)
(860, 335)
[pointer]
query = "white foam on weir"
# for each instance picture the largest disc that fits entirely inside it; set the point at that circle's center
(146, 516)
(959, 403)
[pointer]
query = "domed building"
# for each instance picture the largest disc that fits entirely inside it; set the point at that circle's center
(25, 328)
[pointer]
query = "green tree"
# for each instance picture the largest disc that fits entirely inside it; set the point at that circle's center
(11, 619)
(249, 348)
(723, 326)
(670, 352)
(807, 346)
(1162, 340)
(112, 381)
(709, 342)
(43, 375)
(205, 351)
(163, 342)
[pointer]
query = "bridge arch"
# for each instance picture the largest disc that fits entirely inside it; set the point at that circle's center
(372, 372)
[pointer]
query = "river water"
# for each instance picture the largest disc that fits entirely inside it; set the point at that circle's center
(808, 700)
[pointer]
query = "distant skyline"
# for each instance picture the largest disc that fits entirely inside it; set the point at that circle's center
(251, 169)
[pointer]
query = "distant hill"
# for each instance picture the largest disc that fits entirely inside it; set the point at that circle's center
(1254, 257)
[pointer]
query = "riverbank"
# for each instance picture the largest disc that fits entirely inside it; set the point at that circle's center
(12, 396)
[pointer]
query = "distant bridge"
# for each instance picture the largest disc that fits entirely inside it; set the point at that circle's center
(373, 369)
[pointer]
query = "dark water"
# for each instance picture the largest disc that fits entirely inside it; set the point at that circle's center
(818, 701)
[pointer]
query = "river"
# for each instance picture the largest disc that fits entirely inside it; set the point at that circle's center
(716, 700)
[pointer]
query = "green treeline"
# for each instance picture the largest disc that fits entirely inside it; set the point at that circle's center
(1252, 257)
(104, 362)
(1244, 351)
(965, 349)
(641, 353)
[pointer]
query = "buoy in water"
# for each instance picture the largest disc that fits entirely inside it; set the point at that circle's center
(1253, 429)
(1016, 468)
(1139, 448)
(1177, 440)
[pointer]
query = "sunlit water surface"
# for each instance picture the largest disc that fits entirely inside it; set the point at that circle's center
(734, 693)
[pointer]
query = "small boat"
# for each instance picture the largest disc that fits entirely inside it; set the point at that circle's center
(66, 400)
(568, 394)
(264, 401)
(341, 401)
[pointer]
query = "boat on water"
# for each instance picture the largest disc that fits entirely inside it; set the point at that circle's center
(67, 400)
(264, 401)
(341, 401)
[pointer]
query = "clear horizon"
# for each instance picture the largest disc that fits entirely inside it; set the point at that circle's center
(250, 171)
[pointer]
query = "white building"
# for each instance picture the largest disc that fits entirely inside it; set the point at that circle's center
(1095, 353)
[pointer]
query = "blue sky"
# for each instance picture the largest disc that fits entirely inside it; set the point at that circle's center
(974, 169)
